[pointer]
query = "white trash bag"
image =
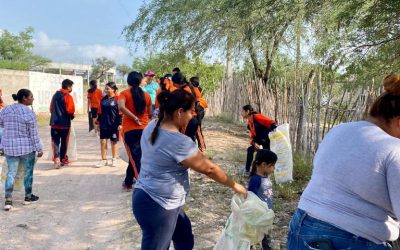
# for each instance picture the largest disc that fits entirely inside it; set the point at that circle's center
(281, 146)
(249, 221)
(71, 150)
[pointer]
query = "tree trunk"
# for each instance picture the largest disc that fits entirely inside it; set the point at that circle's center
(318, 112)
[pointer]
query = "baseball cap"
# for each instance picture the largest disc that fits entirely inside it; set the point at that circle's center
(149, 73)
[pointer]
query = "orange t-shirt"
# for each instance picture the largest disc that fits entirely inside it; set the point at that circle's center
(127, 123)
(95, 98)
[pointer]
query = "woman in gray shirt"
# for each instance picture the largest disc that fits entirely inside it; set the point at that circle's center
(353, 198)
(163, 181)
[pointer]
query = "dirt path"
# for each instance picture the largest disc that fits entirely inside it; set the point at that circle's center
(82, 207)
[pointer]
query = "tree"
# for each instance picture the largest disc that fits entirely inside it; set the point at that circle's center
(100, 67)
(123, 69)
(256, 26)
(15, 51)
(163, 63)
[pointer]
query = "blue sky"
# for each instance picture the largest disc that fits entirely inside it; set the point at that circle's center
(74, 31)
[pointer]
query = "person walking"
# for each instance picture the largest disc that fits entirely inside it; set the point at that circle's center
(353, 198)
(62, 109)
(136, 107)
(20, 144)
(163, 183)
(109, 120)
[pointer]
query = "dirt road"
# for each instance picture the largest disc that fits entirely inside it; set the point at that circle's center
(82, 207)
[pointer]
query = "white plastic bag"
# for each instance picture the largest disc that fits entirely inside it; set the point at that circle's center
(281, 146)
(71, 150)
(249, 221)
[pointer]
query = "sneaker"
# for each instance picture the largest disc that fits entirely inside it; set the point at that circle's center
(114, 162)
(29, 200)
(101, 163)
(7, 205)
(57, 163)
(126, 188)
(65, 162)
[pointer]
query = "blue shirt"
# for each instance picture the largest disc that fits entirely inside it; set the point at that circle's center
(262, 187)
(151, 89)
(162, 176)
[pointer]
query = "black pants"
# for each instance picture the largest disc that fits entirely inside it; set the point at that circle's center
(160, 226)
(191, 128)
(132, 145)
(59, 139)
(250, 153)
(91, 122)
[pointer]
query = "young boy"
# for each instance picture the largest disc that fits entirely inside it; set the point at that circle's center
(62, 109)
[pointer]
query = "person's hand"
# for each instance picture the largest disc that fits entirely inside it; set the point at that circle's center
(119, 128)
(256, 146)
(237, 188)
(40, 154)
(138, 122)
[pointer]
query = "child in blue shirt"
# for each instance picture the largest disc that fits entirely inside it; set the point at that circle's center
(260, 183)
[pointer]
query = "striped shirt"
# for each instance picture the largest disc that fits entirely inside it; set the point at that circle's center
(20, 135)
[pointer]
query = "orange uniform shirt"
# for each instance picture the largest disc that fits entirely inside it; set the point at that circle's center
(95, 98)
(127, 123)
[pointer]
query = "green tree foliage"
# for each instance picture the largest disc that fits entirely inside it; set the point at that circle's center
(163, 63)
(15, 51)
(123, 69)
(100, 67)
(255, 26)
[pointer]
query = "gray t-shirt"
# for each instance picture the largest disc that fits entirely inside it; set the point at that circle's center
(162, 176)
(355, 183)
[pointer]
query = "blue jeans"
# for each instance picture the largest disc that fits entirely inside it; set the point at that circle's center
(160, 226)
(28, 161)
(306, 232)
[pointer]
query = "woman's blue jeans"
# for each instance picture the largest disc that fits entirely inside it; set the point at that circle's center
(28, 161)
(306, 232)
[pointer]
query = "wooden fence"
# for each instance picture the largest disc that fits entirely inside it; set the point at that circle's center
(311, 105)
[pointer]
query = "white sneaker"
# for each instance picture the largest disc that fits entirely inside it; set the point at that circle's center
(101, 163)
(114, 162)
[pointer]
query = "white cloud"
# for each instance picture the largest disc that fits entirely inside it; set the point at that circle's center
(63, 51)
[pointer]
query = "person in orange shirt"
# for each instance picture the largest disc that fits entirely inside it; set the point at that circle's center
(62, 109)
(259, 126)
(200, 111)
(136, 107)
(94, 97)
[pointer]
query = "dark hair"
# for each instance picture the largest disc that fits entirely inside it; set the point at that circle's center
(66, 83)
(93, 86)
(169, 103)
(387, 105)
(178, 78)
(22, 93)
(167, 75)
(263, 155)
(112, 85)
(163, 86)
(177, 70)
(134, 79)
(195, 81)
(249, 108)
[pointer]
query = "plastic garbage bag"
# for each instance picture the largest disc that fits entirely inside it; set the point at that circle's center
(71, 150)
(249, 221)
(19, 178)
(281, 146)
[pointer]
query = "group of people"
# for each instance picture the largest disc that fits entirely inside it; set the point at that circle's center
(351, 202)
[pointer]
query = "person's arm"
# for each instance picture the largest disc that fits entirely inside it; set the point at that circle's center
(127, 112)
(70, 106)
(34, 135)
(392, 181)
(199, 163)
(149, 105)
